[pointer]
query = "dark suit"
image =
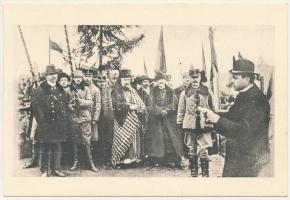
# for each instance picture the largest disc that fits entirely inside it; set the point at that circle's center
(50, 107)
(246, 127)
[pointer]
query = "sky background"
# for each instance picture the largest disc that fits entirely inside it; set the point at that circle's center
(183, 44)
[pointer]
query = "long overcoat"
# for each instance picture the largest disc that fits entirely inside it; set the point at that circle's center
(163, 136)
(50, 108)
(246, 127)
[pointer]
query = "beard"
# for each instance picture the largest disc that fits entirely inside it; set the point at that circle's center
(127, 86)
(145, 86)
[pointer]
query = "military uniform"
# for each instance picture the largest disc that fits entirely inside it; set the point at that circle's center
(197, 133)
(80, 120)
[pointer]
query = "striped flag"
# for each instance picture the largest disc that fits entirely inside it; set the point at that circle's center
(54, 46)
(203, 59)
(270, 88)
(160, 64)
(214, 79)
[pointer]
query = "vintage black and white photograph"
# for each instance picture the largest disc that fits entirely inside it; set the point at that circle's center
(144, 100)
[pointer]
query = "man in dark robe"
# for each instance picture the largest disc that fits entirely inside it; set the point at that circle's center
(245, 124)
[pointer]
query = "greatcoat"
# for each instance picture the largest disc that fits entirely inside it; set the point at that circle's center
(163, 137)
(50, 108)
(246, 127)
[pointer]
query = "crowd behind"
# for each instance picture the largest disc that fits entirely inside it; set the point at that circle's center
(108, 119)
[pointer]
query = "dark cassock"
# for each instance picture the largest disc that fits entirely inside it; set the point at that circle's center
(165, 144)
(144, 93)
(106, 119)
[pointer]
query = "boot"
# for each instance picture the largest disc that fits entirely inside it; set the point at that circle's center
(204, 162)
(90, 160)
(76, 161)
(193, 159)
(34, 160)
(75, 165)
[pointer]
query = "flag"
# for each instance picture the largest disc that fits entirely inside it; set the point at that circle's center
(214, 80)
(203, 60)
(160, 64)
(270, 88)
(54, 46)
(145, 69)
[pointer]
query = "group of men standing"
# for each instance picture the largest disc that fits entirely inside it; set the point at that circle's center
(131, 125)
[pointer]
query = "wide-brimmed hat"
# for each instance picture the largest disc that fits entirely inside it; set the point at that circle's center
(51, 69)
(125, 73)
(242, 66)
(144, 77)
(159, 75)
(194, 71)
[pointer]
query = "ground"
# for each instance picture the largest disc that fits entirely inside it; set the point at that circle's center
(215, 170)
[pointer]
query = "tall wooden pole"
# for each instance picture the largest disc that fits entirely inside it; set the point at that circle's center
(26, 51)
(48, 49)
(68, 49)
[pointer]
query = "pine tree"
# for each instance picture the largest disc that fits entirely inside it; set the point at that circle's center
(109, 42)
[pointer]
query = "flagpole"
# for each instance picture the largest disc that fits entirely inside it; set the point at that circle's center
(49, 49)
(214, 69)
(26, 51)
(68, 49)
(203, 58)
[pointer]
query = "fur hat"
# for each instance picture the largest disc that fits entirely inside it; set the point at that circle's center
(193, 71)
